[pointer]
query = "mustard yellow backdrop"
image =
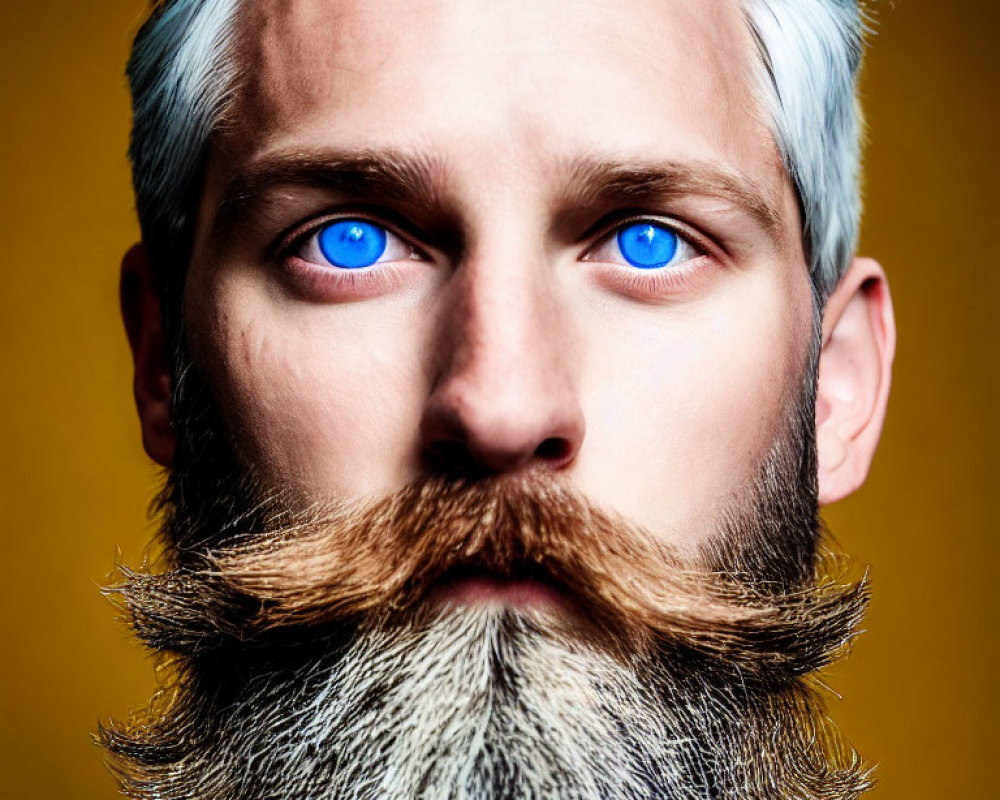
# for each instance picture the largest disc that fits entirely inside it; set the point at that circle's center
(921, 687)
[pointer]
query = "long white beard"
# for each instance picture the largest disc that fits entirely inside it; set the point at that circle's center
(474, 703)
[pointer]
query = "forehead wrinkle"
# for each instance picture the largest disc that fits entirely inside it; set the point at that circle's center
(594, 181)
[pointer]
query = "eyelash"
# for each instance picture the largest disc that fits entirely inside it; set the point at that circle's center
(342, 284)
(650, 284)
(380, 278)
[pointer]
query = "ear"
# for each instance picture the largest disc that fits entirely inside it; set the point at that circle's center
(143, 319)
(855, 369)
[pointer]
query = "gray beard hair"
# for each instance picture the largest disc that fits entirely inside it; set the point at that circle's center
(485, 702)
(474, 703)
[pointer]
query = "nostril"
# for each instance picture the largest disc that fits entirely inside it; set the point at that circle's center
(453, 458)
(553, 449)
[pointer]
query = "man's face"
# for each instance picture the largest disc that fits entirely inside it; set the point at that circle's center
(529, 278)
(503, 147)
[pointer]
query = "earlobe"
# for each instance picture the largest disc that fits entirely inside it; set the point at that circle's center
(141, 313)
(855, 370)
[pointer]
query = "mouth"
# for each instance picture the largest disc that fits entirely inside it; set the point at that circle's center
(525, 587)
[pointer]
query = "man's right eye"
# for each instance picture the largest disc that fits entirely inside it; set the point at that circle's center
(353, 244)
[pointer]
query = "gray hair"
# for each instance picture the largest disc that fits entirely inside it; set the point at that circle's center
(810, 52)
(183, 75)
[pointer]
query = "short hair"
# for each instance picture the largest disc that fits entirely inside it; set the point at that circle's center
(806, 78)
(183, 76)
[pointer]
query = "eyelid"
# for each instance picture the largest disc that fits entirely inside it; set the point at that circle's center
(325, 282)
(606, 228)
(654, 285)
(289, 243)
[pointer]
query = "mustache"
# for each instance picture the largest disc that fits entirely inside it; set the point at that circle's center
(384, 558)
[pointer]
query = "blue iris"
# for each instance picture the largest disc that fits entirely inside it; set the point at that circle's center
(352, 243)
(647, 246)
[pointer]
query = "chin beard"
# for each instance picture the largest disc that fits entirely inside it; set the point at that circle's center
(310, 660)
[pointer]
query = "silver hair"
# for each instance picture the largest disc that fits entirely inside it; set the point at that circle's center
(810, 53)
(183, 75)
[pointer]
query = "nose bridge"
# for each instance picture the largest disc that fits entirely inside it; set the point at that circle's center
(504, 325)
(504, 394)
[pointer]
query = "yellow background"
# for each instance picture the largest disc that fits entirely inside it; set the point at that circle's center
(920, 690)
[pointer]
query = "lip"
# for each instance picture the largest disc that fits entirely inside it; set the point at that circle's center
(479, 587)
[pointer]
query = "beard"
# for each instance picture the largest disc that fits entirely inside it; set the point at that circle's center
(312, 657)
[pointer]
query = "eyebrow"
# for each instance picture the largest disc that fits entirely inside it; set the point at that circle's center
(410, 178)
(593, 181)
(417, 179)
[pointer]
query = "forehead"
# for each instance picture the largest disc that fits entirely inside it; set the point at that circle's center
(528, 79)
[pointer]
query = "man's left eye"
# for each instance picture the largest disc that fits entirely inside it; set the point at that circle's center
(644, 245)
(353, 244)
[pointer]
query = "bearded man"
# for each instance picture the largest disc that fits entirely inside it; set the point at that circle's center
(499, 355)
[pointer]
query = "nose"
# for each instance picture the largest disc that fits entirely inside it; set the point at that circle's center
(504, 398)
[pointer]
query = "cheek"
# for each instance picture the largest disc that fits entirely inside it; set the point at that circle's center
(312, 393)
(684, 404)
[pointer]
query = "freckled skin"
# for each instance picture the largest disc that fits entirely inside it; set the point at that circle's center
(666, 404)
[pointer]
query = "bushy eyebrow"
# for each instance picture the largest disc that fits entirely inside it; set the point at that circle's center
(413, 179)
(418, 179)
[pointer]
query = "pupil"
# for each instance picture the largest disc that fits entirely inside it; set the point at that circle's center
(647, 246)
(352, 243)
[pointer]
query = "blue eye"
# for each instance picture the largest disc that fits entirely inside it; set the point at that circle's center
(647, 246)
(352, 243)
